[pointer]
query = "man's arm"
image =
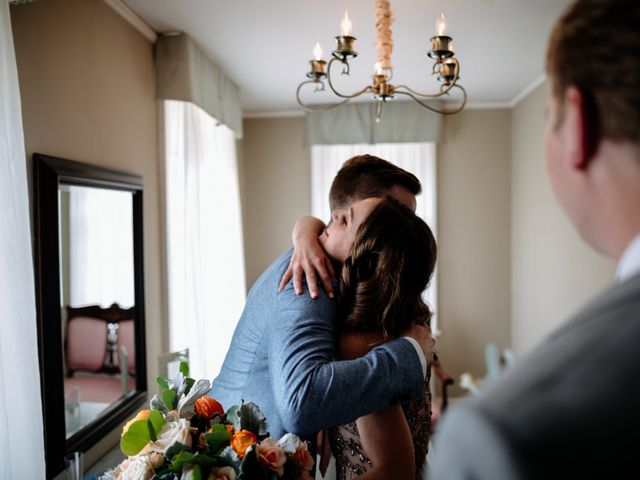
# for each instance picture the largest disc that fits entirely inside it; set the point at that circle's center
(469, 446)
(313, 392)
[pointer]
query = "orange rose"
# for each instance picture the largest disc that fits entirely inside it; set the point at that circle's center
(242, 440)
(207, 407)
(303, 457)
(271, 455)
(142, 415)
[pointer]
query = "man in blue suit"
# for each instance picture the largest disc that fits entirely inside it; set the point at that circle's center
(282, 353)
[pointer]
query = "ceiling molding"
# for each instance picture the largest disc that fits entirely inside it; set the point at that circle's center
(273, 114)
(539, 80)
(487, 106)
(133, 18)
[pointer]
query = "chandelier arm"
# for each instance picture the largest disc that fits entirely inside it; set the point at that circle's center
(315, 108)
(333, 89)
(452, 84)
(437, 110)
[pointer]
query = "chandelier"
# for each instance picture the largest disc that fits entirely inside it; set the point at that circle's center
(445, 66)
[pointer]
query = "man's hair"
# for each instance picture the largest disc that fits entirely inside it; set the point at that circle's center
(389, 266)
(366, 176)
(595, 46)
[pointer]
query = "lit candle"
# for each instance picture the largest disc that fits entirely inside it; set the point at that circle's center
(317, 51)
(345, 24)
(441, 25)
(378, 68)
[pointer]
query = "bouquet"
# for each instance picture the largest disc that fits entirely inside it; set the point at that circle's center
(187, 435)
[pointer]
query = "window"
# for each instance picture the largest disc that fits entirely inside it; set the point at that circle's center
(417, 158)
(205, 258)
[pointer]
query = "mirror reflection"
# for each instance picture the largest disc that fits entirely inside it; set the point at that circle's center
(97, 300)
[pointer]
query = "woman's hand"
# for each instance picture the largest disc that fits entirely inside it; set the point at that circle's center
(310, 258)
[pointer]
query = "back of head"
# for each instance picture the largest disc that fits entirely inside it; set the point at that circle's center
(595, 46)
(366, 176)
(388, 269)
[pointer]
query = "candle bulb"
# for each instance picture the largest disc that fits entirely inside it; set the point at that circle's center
(345, 24)
(317, 51)
(441, 25)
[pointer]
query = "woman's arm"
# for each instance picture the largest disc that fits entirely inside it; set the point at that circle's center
(387, 441)
(308, 257)
(385, 435)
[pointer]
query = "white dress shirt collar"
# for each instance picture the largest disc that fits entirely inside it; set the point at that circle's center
(630, 261)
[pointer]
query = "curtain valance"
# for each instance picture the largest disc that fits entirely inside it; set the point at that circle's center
(401, 122)
(184, 72)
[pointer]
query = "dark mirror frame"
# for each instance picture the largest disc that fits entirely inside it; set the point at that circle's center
(48, 174)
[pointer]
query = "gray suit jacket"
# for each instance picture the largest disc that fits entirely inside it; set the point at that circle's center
(281, 358)
(569, 409)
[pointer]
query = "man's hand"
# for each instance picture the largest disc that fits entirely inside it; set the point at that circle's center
(310, 258)
(422, 334)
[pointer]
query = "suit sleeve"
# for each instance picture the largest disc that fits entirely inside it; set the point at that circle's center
(313, 392)
(468, 445)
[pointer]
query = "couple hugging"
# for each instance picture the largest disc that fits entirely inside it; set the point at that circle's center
(356, 364)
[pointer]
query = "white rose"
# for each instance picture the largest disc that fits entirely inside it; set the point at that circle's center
(139, 468)
(222, 473)
(289, 442)
(170, 433)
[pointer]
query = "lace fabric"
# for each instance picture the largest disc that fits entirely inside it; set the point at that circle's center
(352, 460)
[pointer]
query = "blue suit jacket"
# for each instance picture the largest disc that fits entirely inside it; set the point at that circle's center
(282, 358)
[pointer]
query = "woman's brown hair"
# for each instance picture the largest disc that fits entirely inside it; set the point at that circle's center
(388, 268)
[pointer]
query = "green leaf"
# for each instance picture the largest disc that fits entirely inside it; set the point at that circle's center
(218, 438)
(152, 433)
(252, 419)
(170, 398)
(189, 383)
(175, 449)
(162, 382)
(197, 472)
(193, 458)
(184, 368)
(157, 421)
(136, 438)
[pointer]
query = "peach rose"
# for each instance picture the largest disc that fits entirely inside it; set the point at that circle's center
(139, 468)
(142, 415)
(303, 457)
(271, 455)
(242, 440)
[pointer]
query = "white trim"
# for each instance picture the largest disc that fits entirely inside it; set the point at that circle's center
(273, 114)
(487, 106)
(133, 18)
(539, 80)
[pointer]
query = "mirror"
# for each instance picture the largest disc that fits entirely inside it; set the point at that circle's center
(89, 277)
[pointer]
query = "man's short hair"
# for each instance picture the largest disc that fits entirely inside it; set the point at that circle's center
(366, 176)
(595, 46)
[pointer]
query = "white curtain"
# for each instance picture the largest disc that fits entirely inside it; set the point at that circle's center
(21, 435)
(417, 158)
(101, 247)
(205, 256)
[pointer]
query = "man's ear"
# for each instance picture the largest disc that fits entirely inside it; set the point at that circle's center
(582, 117)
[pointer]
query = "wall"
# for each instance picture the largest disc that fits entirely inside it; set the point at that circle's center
(473, 215)
(87, 84)
(553, 271)
(474, 238)
(275, 170)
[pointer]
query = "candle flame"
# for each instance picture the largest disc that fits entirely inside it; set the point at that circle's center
(345, 23)
(317, 51)
(378, 68)
(441, 25)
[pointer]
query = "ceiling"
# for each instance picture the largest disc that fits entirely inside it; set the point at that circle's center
(265, 46)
